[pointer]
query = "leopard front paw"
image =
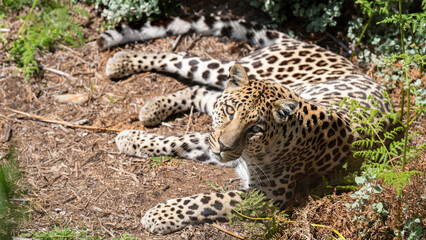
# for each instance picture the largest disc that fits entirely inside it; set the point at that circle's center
(133, 143)
(119, 65)
(154, 111)
(164, 219)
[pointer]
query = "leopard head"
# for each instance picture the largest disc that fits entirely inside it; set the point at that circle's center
(249, 115)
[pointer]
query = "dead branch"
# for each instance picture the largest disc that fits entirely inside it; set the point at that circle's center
(226, 231)
(49, 120)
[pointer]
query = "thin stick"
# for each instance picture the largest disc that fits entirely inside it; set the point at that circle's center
(49, 120)
(8, 60)
(197, 37)
(342, 45)
(189, 120)
(121, 120)
(134, 77)
(56, 71)
(132, 175)
(226, 231)
(176, 43)
(96, 199)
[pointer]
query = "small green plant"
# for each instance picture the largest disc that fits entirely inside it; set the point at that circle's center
(11, 212)
(69, 233)
(113, 99)
(51, 26)
(221, 189)
(159, 160)
(258, 214)
(363, 201)
(413, 228)
(381, 158)
(3, 34)
(92, 87)
(59, 233)
(125, 237)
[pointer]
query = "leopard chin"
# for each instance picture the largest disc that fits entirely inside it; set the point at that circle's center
(223, 156)
(229, 156)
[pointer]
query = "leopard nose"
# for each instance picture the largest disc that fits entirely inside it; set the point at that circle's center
(223, 147)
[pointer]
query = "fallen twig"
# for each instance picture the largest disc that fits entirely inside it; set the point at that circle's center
(189, 120)
(49, 120)
(176, 43)
(132, 175)
(131, 116)
(8, 60)
(226, 231)
(56, 71)
(96, 199)
(134, 77)
(196, 38)
(342, 45)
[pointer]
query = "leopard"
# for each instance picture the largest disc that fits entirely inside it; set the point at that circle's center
(274, 116)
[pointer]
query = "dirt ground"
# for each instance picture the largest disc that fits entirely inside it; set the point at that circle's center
(77, 176)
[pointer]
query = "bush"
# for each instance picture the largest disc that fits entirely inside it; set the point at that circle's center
(385, 38)
(116, 11)
(317, 16)
(53, 25)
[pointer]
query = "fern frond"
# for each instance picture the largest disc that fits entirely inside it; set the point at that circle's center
(417, 151)
(391, 135)
(398, 180)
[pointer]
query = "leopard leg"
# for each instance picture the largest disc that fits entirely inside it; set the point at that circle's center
(209, 72)
(192, 146)
(176, 214)
(159, 108)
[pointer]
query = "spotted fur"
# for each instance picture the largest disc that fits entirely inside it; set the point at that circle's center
(272, 114)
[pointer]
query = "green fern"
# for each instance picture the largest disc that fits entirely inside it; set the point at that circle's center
(381, 149)
(258, 214)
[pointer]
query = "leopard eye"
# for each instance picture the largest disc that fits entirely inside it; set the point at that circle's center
(256, 129)
(229, 110)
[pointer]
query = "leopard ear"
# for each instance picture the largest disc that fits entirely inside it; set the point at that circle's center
(237, 77)
(283, 109)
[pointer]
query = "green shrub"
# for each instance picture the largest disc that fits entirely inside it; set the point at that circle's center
(13, 5)
(52, 26)
(373, 29)
(317, 15)
(388, 161)
(116, 11)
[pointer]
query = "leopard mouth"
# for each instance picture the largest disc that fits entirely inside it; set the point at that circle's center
(223, 153)
(226, 156)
